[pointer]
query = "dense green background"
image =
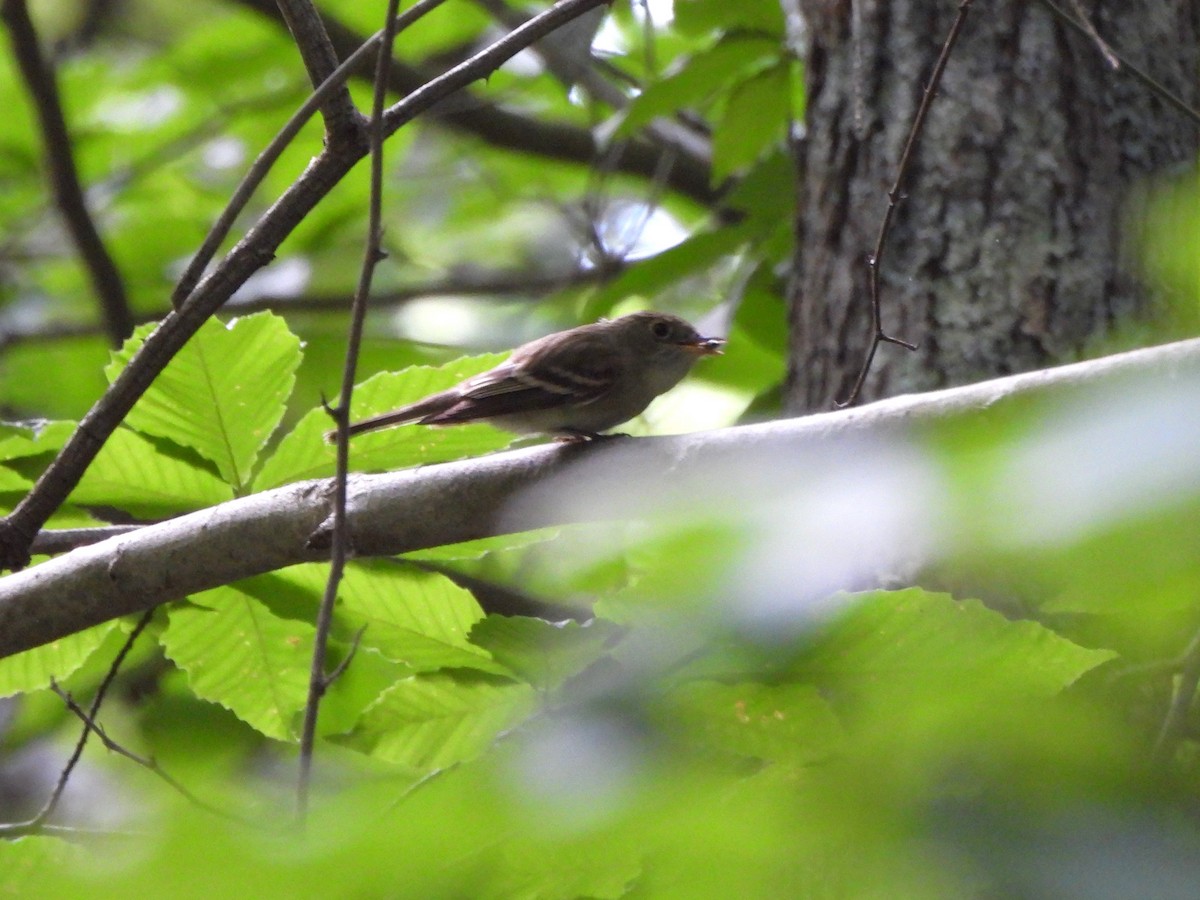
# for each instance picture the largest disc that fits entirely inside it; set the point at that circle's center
(731, 723)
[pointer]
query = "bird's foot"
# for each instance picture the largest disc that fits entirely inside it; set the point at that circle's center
(573, 436)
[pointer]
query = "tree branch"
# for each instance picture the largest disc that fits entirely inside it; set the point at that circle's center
(64, 179)
(320, 59)
(505, 128)
(441, 504)
(517, 284)
(255, 250)
(318, 681)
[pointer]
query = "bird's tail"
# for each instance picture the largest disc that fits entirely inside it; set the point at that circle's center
(403, 416)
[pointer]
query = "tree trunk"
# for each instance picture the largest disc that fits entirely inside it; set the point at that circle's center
(1010, 249)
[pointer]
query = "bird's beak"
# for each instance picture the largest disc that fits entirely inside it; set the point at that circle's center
(705, 346)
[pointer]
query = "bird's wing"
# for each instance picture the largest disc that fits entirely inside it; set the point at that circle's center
(542, 375)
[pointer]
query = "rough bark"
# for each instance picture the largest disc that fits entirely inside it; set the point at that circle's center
(1010, 250)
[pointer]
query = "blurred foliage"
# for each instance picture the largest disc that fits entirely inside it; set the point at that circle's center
(734, 714)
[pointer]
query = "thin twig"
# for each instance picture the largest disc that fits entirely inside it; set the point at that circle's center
(63, 176)
(878, 336)
(64, 540)
(109, 676)
(319, 681)
(1156, 87)
(1182, 699)
(1090, 30)
(91, 726)
(502, 126)
(674, 137)
(320, 59)
(337, 671)
(271, 153)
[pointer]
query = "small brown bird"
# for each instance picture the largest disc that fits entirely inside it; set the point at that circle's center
(573, 384)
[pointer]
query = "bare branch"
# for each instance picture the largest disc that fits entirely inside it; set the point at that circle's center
(347, 138)
(64, 179)
(63, 540)
(513, 130)
(1086, 28)
(90, 726)
(517, 284)
(318, 681)
(433, 505)
(97, 702)
(320, 60)
(895, 195)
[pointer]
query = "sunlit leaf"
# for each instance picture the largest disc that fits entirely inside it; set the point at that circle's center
(756, 118)
(138, 475)
(304, 452)
(542, 653)
(237, 654)
(33, 669)
(223, 394)
(429, 722)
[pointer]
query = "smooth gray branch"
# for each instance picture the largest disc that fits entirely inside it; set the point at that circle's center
(441, 504)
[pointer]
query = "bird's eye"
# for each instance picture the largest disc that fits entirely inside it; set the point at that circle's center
(661, 330)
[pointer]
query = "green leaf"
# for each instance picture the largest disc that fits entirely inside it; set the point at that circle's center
(702, 16)
(304, 453)
(568, 871)
(223, 394)
(766, 196)
(481, 547)
(703, 76)
(648, 277)
(429, 722)
(420, 619)
(33, 669)
(76, 383)
(19, 441)
(899, 640)
(543, 653)
(237, 654)
(788, 723)
(137, 475)
(12, 482)
(756, 119)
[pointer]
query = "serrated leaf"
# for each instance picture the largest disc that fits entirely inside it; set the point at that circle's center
(133, 474)
(237, 654)
(430, 722)
(543, 653)
(303, 453)
(417, 618)
(223, 394)
(756, 119)
(889, 639)
(33, 669)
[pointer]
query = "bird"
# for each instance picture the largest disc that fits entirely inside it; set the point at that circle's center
(572, 384)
